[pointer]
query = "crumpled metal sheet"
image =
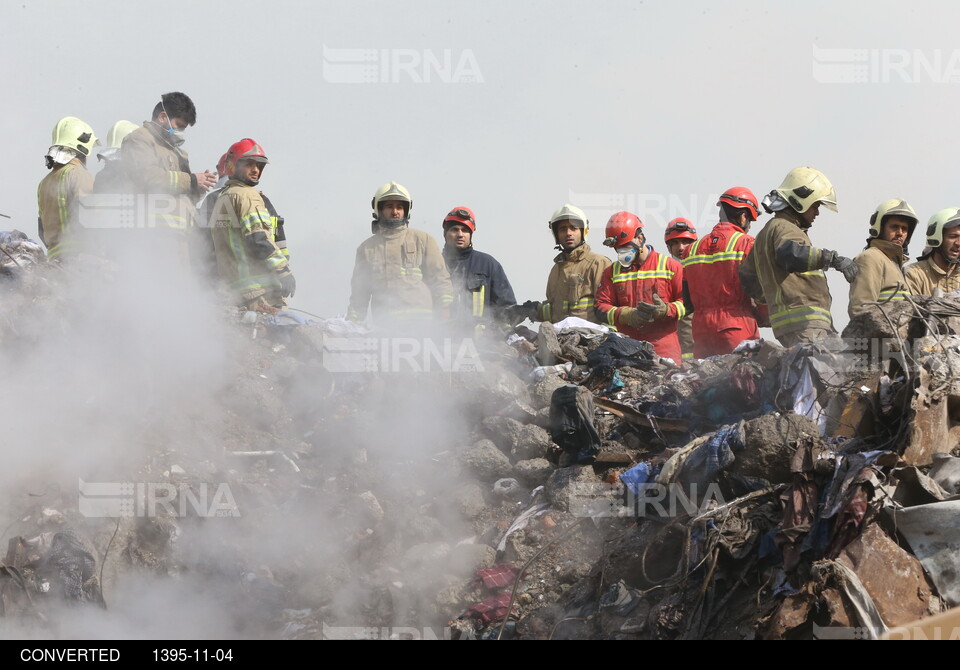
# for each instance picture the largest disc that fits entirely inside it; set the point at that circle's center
(933, 532)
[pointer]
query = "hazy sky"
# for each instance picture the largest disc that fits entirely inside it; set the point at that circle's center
(613, 105)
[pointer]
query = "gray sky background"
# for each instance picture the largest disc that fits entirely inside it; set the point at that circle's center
(613, 105)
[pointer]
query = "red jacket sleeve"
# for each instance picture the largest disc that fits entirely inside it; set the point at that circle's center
(604, 299)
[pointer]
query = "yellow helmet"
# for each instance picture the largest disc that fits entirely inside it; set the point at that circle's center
(894, 207)
(942, 220)
(570, 212)
(391, 191)
(805, 186)
(72, 133)
(119, 130)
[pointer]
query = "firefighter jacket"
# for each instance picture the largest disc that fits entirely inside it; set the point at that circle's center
(786, 272)
(156, 168)
(723, 314)
(479, 283)
(925, 277)
(248, 259)
(880, 278)
(58, 200)
(400, 275)
(112, 178)
(627, 287)
(572, 285)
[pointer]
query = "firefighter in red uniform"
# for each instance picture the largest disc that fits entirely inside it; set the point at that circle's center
(641, 294)
(679, 237)
(723, 314)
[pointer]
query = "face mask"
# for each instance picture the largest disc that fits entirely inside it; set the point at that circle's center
(174, 137)
(626, 255)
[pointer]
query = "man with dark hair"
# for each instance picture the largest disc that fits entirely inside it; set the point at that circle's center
(481, 287)
(178, 105)
(157, 166)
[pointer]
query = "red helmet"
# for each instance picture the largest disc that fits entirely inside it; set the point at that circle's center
(463, 215)
(222, 166)
(245, 148)
(680, 229)
(622, 227)
(741, 198)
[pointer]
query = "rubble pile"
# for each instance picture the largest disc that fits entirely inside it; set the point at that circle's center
(570, 484)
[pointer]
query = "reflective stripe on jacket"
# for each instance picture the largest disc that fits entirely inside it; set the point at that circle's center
(58, 202)
(572, 285)
(723, 314)
(247, 262)
(880, 278)
(399, 273)
(479, 282)
(797, 298)
(154, 167)
(626, 287)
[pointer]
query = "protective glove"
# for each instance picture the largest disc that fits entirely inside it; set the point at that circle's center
(517, 313)
(831, 259)
(633, 317)
(654, 311)
(288, 284)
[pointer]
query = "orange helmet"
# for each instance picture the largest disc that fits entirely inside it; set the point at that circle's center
(622, 227)
(741, 197)
(462, 215)
(222, 166)
(680, 229)
(245, 148)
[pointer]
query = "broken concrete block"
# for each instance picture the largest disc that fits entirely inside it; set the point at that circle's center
(485, 461)
(466, 559)
(542, 391)
(532, 442)
(533, 472)
(548, 345)
(567, 485)
(468, 499)
(503, 431)
(770, 442)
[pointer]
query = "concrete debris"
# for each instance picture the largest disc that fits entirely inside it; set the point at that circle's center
(769, 493)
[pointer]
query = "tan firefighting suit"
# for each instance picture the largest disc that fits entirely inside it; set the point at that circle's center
(399, 274)
(58, 199)
(572, 285)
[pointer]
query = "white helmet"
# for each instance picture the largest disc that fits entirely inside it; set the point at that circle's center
(570, 212)
(74, 134)
(939, 222)
(391, 191)
(805, 186)
(894, 207)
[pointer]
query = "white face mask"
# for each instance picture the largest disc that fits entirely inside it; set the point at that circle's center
(627, 254)
(174, 137)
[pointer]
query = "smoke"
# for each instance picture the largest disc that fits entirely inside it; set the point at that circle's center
(129, 370)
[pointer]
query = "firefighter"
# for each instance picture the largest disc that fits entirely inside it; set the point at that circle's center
(111, 178)
(244, 235)
(880, 277)
(679, 236)
(399, 274)
(156, 166)
(575, 274)
(723, 315)
(58, 197)
(784, 270)
(480, 284)
(641, 294)
(936, 272)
